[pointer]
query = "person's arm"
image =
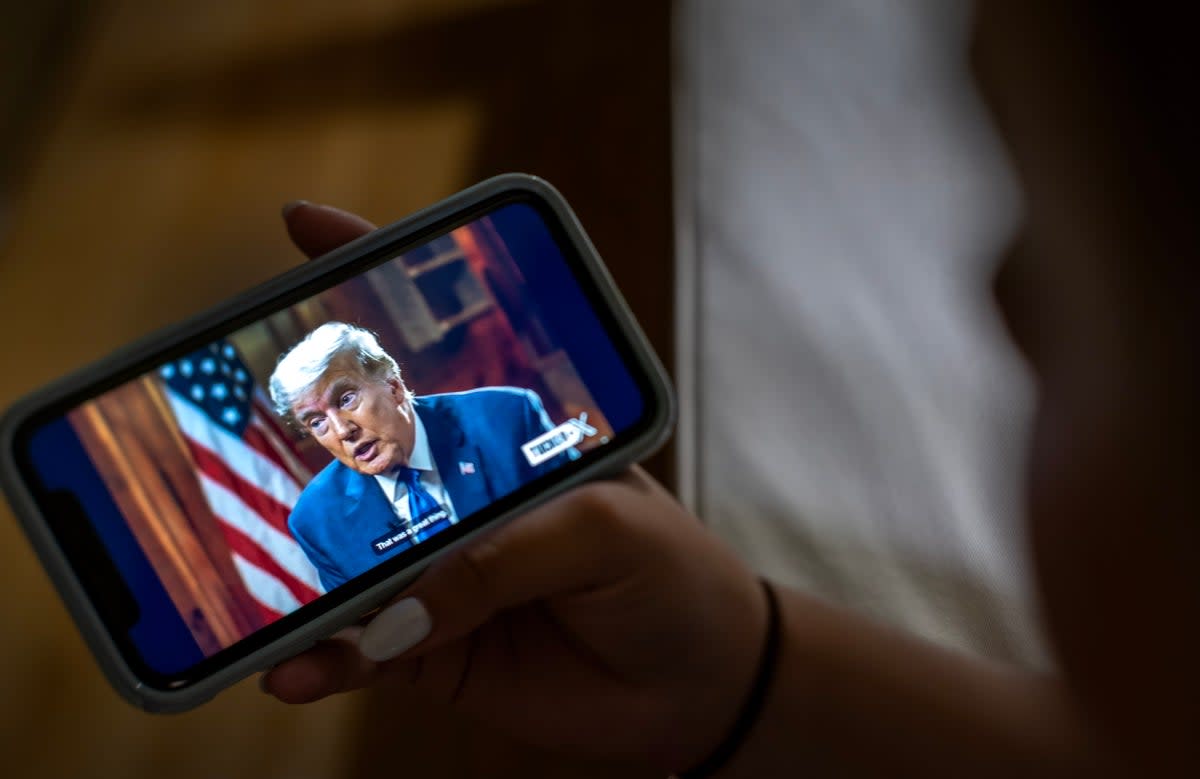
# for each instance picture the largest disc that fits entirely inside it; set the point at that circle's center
(853, 697)
(610, 623)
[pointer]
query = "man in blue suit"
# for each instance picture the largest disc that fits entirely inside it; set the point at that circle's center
(405, 467)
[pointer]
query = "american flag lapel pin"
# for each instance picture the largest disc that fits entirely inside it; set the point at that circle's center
(466, 469)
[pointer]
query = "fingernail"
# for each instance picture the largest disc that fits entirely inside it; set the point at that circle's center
(396, 629)
(291, 206)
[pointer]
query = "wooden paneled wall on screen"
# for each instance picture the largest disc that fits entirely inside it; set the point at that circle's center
(131, 436)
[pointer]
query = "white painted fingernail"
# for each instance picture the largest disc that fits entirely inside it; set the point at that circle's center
(397, 628)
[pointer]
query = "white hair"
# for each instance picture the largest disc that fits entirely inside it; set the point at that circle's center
(301, 368)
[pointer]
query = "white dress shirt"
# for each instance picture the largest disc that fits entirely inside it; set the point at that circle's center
(421, 459)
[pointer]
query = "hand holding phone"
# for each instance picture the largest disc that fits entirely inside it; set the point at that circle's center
(606, 623)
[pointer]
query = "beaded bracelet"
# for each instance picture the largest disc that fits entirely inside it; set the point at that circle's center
(755, 698)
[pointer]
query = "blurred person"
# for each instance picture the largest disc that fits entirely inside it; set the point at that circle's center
(611, 623)
(405, 467)
(855, 198)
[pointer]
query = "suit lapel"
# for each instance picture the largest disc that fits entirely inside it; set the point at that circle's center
(362, 498)
(458, 461)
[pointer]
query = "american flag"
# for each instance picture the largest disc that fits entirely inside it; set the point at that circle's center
(248, 471)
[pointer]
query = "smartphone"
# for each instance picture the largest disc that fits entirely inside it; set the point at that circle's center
(225, 493)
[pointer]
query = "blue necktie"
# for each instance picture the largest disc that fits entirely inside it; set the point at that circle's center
(420, 502)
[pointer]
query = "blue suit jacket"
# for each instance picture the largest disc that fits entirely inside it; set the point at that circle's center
(475, 438)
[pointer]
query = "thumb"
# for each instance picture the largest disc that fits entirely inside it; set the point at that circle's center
(317, 229)
(577, 541)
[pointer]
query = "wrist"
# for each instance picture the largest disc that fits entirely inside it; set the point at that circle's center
(753, 702)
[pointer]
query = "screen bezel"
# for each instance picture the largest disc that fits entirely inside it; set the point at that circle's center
(352, 260)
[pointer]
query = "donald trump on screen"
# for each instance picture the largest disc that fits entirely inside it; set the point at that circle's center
(404, 466)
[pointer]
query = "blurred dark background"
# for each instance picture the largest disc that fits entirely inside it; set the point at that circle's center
(145, 150)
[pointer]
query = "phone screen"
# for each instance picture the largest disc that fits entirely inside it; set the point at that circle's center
(334, 438)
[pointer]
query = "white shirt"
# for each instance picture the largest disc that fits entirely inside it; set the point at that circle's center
(421, 459)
